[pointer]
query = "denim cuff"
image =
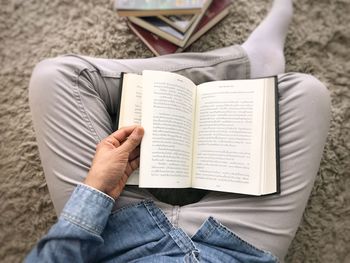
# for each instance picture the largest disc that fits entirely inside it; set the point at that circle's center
(88, 208)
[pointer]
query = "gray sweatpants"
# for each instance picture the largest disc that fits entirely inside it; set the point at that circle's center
(74, 101)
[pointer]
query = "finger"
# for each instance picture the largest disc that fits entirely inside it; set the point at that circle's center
(134, 154)
(133, 140)
(128, 170)
(121, 185)
(132, 166)
(122, 134)
(124, 179)
(113, 141)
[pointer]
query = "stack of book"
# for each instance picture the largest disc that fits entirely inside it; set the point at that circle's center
(170, 26)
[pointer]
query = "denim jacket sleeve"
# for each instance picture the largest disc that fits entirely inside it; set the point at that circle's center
(76, 237)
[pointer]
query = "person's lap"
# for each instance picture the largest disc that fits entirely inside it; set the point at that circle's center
(82, 93)
(74, 102)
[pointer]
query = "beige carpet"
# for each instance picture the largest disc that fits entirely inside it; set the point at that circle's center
(31, 30)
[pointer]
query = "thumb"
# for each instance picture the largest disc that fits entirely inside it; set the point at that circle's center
(133, 140)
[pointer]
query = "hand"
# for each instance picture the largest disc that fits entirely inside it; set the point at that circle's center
(116, 157)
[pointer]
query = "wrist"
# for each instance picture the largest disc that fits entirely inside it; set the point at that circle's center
(99, 191)
(97, 185)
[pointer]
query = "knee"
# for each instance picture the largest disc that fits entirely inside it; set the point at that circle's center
(317, 96)
(305, 106)
(44, 79)
(310, 94)
(314, 91)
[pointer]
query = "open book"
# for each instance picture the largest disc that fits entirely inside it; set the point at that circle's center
(219, 135)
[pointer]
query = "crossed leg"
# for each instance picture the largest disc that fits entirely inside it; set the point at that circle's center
(270, 222)
(74, 100)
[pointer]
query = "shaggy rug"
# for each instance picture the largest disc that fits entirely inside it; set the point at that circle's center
(31, 30)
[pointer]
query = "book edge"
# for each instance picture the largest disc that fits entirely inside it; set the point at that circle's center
(142, 38)
(277, 140)
(207, 27)
(277, 148)
(171, 23)
(148, 44)
(155, 30)
(120, 94)
(129, 12)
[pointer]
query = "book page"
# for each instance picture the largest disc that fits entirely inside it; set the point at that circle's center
(228, 136)
(130, 109)
(168, 105)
